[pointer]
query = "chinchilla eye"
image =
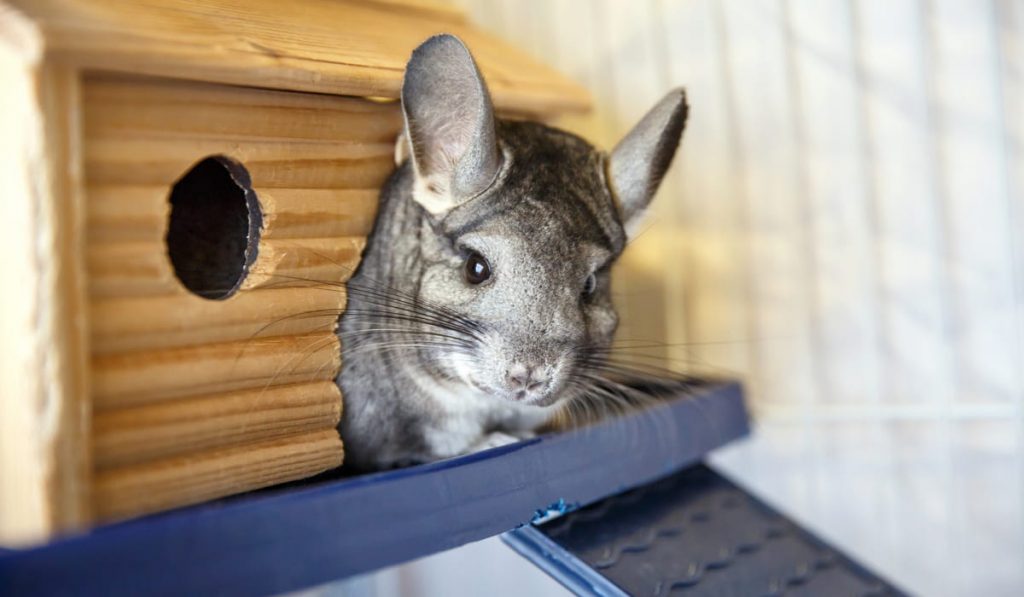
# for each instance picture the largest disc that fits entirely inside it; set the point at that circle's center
(477, 268)
(590, 285)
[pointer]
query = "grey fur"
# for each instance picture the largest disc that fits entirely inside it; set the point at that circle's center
(450, 123)
(434, 366)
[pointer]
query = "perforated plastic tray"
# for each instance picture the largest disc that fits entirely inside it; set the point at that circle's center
(694, 533)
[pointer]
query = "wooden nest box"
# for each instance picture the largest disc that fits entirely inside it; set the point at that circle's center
(185, 188)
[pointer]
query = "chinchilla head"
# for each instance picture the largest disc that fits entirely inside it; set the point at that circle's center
(522, 223)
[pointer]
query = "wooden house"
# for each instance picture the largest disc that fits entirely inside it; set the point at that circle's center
(185, 187)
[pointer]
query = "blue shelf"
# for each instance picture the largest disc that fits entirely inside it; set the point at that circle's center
(330, 528)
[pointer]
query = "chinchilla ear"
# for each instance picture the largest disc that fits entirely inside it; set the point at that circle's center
(449, 125)
(640, 160)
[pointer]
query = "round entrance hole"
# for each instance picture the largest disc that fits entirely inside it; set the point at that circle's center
(214, 228)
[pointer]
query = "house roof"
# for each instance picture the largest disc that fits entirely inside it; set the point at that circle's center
(328, 46)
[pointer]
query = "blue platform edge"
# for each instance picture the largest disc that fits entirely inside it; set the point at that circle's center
(304, 535)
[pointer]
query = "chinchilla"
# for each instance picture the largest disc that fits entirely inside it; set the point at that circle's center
(482, 303)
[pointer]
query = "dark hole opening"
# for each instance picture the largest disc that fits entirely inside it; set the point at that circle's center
(214, 227)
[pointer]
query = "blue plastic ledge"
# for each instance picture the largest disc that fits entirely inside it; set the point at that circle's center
(304, 535)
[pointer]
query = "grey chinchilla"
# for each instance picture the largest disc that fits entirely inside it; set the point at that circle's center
(482, 303)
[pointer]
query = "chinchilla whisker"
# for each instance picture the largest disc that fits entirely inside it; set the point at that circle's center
(425, 316)
(378, 317)
(356, 337)
(653, 394)
(619, 343)
(410, 306)
(397, 347)
(622, 392)
(627, 367)
(390, 296)
(597, 403)
(656, 365)
(294, 316)
(342, 267)
(608, 398)
(297, 360)
(297, 316)
(371, 315)
(416, 302)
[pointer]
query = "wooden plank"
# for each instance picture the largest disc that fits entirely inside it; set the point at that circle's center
(343, 48)
(135, 435)
(125, 107)
(44, 456)
(184, 319)
(136, 378)
(295, 164)
(174, 482)
(126, 213)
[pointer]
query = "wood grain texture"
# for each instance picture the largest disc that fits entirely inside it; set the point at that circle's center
(120, 270)
(183, 319)
(127, 213)
(162, 108)
(271, 163)
(119, 213)
(131, 269)
(317, 213)
(174, 482)
(175, 373)
(346, 48)
(135, 378)
(44, 456)
(324, 262)
(135, 435)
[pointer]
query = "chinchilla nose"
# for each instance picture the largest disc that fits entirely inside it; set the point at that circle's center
(524, 376)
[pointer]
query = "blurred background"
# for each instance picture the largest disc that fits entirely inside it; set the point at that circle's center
(843, 229)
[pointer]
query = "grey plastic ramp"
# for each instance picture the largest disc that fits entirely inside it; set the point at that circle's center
(693, 533)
